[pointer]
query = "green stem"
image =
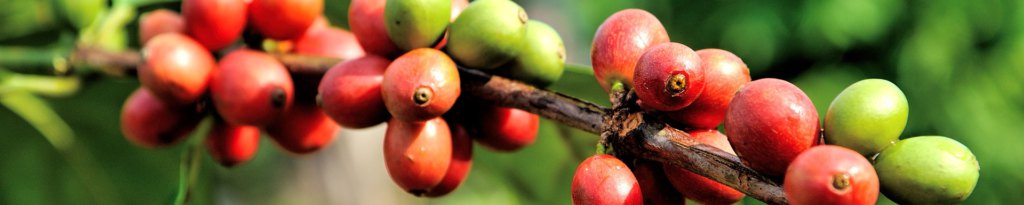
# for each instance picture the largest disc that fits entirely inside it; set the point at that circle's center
(190, 162)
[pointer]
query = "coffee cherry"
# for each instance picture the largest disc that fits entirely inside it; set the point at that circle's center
(417, 154)
(366, 19)
(214, 23)
(415, 24)
(724, 74)
(488, 34)
(232, 144)
(505, 129)
(927, 170)
(769, 123)
(284, 19)
(462, 162)
(148, 122)
(867, 117)
(350, 92)
(251, 88)
(420, 85)
(457, 7)
(831, 175)
(655, 185)
(668, 76)
(303, 129)
(543, 58)
(619, 42)
(329, 42)
(177, 68)
(604, 180)
(699, 188)
(158, 22)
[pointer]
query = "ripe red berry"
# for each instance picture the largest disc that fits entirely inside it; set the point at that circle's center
(699, 188)
(329, 42)
(284, 19)
(232, 144)
(655, 185)
(214, 23)
(417, 154)
(724, 74)
(159, 21)
(604, 180)
(177, 68)
(420, 85)
(148, 122)
(668, 77)
(303, 129)
(350, 92)
(769, 123)
(505, 129)
(619, 42)
(831, 174)
(462, 162)
(366, 19)
(251, 88)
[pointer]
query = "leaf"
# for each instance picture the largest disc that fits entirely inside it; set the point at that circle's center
(36, 112)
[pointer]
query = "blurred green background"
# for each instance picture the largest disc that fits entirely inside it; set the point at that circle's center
(960, 63)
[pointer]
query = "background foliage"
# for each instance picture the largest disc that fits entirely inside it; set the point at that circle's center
(959, 62)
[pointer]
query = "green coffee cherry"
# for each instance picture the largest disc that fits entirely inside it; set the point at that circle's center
(927, 170)
(417, 23)
(488, 34)
(867, 116)
(543, 58)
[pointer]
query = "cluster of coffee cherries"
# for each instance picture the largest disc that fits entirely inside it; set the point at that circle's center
(772, 127)
(399, 66)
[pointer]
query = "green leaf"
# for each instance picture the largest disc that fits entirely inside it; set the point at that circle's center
(36, 112)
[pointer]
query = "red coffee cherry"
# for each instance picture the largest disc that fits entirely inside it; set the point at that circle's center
(655, 185)
(669, 76)
(769, 123)
(284, 19)
(604, 180)
(232, 144)
(505, 129)
(303, 129)
(159, 21)
(699, 188)
(420, 85)
(148, 122)
(177, 68)
(724, 74)
(329, 42)
(619, 42)
(214, 23)
(462, 162)
(350, 92)
(366, 19)
(830, 174)
(251, 88)
(417, 154)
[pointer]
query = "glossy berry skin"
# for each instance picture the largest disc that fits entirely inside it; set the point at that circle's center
(830, 174)
(329, 42)
(655, 185)
(724, 74)
(303, 129)
(417, 154)
(284, 19)
(462, 162)
(159, 21)
(867, 116)
(927, 170)
(366, 19)
(487, 34)
(215, 24)
(148, 122)
(350, 92)
(177, 68)
(420, 85)
(769, 123)
(232, 144)
(505, 129)
(668, 77)
(619, 42)
(415, 24)
(251, 88)
(604, 180)
(699, 188)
